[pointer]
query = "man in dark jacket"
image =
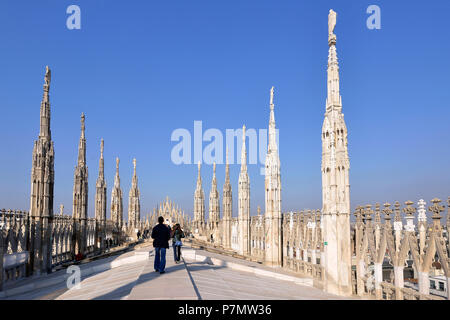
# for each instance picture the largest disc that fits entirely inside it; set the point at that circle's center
(161, 236)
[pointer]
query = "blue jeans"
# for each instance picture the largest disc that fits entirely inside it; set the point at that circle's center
(160, 259)
(174, 252)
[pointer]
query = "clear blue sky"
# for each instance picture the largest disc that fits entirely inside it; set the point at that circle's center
(141, 69)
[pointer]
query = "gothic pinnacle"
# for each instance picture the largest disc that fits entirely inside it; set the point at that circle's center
(243, 151)
(45, 131)
(82, 125)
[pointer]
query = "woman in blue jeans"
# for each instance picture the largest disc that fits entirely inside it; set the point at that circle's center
(177, 234)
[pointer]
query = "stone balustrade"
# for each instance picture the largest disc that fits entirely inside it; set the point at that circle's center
(396, 257)
(20, 234)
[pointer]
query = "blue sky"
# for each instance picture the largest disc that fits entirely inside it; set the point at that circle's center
(141, 69)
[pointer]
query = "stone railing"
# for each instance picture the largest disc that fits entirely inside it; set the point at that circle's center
(25, 242)
(301, 238)
(390, 257)
(14, 254)
(303, 243)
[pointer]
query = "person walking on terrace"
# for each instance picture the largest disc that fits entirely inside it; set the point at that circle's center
(161, 236)
(176, 242)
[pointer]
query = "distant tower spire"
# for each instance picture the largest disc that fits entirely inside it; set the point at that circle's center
(116, 200)
(134, 205)
(199, 204)
(100, 188)
(80, 193)
(272, 130)
(214, 205)
(243, 152)
(227, 205)
(244, 202)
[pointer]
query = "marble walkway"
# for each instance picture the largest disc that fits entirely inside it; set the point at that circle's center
(192, 279)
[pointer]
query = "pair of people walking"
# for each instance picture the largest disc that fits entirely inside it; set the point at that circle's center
(161, 235)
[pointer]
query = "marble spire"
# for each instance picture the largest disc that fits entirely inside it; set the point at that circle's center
(116, 200)
(42, 186)
(100, 189)
(335, 179)
(227, 206)
(80, 193)
(80, 186)
(199, 203)
(273, 253)
(244, 202)
(134, 206)
(214, 202)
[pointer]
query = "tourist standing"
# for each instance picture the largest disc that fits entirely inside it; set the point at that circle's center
(161, 236)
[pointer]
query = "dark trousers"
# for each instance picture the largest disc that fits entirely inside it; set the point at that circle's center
(176, 252)
(160, 259)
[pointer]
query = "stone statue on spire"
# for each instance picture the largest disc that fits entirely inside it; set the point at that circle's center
(331, 25)
(48, 76)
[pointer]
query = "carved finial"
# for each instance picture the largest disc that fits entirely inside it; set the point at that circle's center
(61, 209)
(271, 97)
(409, 211)
(134, 165)
(259, 210)
(214, 168)
(368, 213)
(226, 157)
(377, 213)
(102, 146)
(82, 124)
(436, 208)
(387, 212)
(117, 164)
